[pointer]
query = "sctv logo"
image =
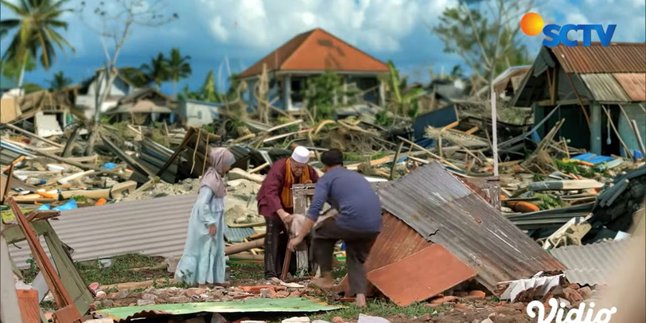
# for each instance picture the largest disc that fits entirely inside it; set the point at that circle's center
(532, 24)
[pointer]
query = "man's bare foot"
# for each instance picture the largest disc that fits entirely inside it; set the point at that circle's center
(324, 282)
(360, 300)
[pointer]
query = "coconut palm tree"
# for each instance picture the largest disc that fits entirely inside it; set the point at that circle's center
(178, 67)
(59, 82)
(36, 25)
(157, 70)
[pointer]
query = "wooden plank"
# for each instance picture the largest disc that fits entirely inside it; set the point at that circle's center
(74, 176)
(32, 135)
(472, 130)
(61, 296)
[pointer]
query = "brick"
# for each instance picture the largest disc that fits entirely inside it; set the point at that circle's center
(477, 294)
(572, 296)
(443, 300)
(585, 292)
(574, 286)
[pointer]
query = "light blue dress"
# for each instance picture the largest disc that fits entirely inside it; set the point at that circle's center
(203, 260)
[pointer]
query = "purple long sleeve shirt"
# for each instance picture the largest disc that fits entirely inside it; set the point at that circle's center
(352, 196)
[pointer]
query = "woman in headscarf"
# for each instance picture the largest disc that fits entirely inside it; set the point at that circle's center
(203, 259)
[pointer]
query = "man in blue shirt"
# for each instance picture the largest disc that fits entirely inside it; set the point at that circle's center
(358, 222)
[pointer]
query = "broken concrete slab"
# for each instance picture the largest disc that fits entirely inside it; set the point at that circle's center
(421, 275)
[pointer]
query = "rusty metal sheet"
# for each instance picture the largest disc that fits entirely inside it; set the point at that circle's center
(616, 58)
(605, 88)
(395, 242)
(634, 84)
(443, 210)
(421, 275)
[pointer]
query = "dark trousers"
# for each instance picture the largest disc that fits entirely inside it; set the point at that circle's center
(275, 246)
(358, 245)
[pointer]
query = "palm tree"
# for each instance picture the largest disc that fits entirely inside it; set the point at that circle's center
(178, 67)
(36, 31)
(157, 70)
(59, 82)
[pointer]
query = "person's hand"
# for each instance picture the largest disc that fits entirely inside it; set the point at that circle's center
(286, 217)
(213, 229)
(293, 242)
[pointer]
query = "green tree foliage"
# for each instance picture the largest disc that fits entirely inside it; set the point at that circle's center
(207, 93)
(37, 32)
(178, 67)
(134, 75)
(322, 93)
(11, 68)
(484, 33)
(157, 71)
(401, 100)
(59, 81)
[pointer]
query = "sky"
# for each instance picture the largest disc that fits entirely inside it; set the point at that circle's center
(228, 36)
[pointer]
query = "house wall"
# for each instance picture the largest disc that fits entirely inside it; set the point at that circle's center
(118, 88)
(635, 112)
(196, 114)
(285, 91)
(575, 128)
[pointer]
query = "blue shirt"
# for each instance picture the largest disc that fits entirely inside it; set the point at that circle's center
(352, 196)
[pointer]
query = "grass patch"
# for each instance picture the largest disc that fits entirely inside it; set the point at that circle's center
(121, 270)
(245, 271)
(381, 308)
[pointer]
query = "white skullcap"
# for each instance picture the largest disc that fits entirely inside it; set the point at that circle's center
(301, 155)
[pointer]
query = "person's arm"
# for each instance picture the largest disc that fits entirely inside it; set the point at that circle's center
(298, 238)
(204, 212)
(274, 182)
(314, 176)
(321, 191)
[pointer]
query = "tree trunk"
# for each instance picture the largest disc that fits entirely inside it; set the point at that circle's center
(22, 72)
(67, 151)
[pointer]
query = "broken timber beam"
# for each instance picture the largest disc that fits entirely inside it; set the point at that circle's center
(240, 247)
(33, 135)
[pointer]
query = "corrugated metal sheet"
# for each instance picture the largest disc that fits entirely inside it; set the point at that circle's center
(443, 210)
(421, 275)
(395, 242)
(155, 227)
(238, 234)
(634, 84)
(605, 88)
(616, 58)
(594, 263)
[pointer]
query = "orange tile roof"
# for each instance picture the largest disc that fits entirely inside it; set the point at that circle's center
(317, 50)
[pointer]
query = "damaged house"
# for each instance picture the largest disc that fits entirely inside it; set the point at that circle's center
(599, 91)
(311, 54)
(144, 106)
(87, 94)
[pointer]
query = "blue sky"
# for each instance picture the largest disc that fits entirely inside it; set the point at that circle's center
(242, 31)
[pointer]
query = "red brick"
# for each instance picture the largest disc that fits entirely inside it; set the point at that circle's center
(477, 294)
(443, 300)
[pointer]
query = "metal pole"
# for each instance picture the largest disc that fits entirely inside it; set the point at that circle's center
(494, 131)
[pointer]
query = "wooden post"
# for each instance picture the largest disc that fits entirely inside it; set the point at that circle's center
(61, 296)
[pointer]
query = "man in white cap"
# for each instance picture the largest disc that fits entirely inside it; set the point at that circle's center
(275, 203)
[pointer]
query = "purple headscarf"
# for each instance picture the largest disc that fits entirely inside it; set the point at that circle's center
(219, 160)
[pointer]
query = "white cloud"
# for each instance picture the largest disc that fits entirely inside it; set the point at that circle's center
(627, 14)
(377, 25)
